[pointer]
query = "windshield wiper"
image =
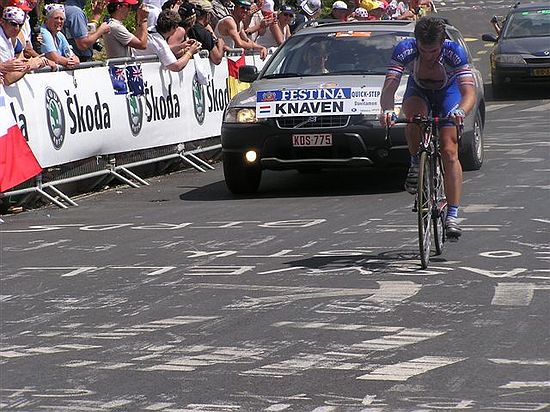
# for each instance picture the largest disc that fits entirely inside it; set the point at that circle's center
(358, 71)
(280, 75)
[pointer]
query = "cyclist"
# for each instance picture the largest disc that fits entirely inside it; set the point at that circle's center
(440, 77)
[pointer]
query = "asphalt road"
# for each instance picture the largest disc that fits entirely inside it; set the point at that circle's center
(306, 297)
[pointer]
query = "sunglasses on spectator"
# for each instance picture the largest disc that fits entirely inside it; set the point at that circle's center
(288, 14)
(15, 24)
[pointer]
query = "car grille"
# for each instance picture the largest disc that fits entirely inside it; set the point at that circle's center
(537, 60)
(315, 122)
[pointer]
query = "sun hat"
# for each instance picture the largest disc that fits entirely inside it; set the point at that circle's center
(339, 5)
(311, 6)
(14, 14)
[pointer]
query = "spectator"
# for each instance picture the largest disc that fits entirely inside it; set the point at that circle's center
(26, 32)
(119, 42)
(309, 11)
(13, 65)
(220, 9)
(339, 11)
(54, 44)
(76, 30)
(279, 30)
(231, 29)
(167, 23)
(269, 32)
(202, 31)
(179, 41)
(376, 9)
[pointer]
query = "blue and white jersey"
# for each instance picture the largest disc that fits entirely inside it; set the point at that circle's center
(452, 65)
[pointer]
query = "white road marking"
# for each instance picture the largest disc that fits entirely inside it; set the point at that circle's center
(398, 340)
(526, 384)
(540, 108)
(404, 370)
(337, 326)
(496, 273)
(515, 294)
(158, 406)
(535, 362)
(493, 107)
(278, 407)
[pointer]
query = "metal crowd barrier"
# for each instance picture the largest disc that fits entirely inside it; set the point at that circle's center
(111, 169)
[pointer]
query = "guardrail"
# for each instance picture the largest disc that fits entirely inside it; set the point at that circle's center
(71, 116)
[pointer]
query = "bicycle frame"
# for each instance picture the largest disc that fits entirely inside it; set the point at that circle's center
(430, 202)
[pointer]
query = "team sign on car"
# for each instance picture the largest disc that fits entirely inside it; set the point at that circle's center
(321, 101)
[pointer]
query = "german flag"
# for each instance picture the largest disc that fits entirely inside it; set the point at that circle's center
(234, 86)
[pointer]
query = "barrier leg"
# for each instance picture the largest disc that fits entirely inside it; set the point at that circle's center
(125, 180)
(196, 166)
(63, 196)
(198, 159)
(52, 199)
(133, 175)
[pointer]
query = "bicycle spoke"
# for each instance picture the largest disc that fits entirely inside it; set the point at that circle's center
(424, 200)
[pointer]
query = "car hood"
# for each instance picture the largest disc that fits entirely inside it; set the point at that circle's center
(247, 98)
(528, 45)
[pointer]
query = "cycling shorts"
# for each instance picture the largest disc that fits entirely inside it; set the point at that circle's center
(442, 101)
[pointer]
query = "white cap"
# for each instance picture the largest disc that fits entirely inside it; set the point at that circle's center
(339, 5)
(269, 6)
(311, 6)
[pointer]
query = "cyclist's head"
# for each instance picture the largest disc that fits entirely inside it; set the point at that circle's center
(430, 30)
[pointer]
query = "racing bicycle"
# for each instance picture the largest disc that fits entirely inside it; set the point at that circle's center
(430, 201)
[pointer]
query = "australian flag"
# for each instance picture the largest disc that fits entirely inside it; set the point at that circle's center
(134, 75)
(118, 79)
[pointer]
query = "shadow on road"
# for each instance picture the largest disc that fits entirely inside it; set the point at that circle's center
(530, 92)
(367, 262)
(276, 184)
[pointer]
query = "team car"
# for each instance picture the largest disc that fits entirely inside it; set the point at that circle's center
(522, 52)
(315, 105)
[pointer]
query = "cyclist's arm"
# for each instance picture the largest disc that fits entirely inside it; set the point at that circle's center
(468, 92)
(387, 98)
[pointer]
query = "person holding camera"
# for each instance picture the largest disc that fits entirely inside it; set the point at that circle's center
(157, 42)
(119, 42)
(81, 33)
(202, 31)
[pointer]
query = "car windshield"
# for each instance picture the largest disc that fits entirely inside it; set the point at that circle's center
(532, 23)
(345, 52)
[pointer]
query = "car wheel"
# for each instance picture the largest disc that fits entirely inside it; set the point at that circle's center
(472, 153)
(240, 178)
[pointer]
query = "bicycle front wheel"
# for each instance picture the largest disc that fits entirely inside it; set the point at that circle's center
(424, 208)
(440, 206)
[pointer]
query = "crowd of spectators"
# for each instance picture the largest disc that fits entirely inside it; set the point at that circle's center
(174, 30)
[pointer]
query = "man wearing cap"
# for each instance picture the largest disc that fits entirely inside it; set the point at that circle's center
(231, 29)
(12, 66)
(203, 32)
(119, 41)
(309, 11)
(339, 11)
(220, 9)
(76, 27)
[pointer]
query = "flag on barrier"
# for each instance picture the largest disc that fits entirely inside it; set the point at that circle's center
(234, 86)
(134, 76)
(17, 162)
(118, 79)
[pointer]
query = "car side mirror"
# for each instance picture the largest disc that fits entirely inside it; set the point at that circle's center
(248, 73)
(489, 37)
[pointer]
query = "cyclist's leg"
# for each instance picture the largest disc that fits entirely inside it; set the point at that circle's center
(414, 103)
(449, 153)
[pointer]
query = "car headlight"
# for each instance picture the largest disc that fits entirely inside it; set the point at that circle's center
(509, 59)
(240, 115)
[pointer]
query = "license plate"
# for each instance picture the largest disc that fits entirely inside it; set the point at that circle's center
(541, 72)
(311, 140)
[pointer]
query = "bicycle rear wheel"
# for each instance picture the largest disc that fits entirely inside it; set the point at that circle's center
(440, 206)
(424, 209)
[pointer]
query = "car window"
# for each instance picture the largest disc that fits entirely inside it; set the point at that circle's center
(531, 23)
(345, 52)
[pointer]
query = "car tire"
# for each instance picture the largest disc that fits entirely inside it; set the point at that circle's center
(240, 178)
(472, 152)
(499, 91)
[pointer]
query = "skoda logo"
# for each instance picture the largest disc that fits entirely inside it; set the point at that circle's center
(135, 114)
(56, 118)
(199, 105)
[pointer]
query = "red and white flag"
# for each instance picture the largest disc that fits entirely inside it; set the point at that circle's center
(17, 162)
